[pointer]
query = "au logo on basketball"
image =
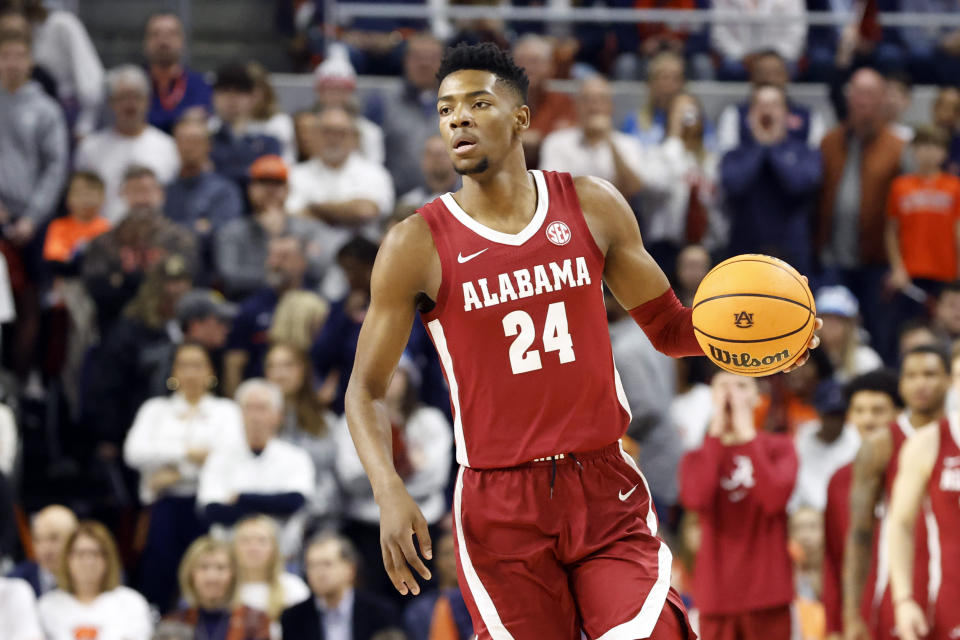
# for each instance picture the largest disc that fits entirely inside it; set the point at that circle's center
(743, 320)
(558, 233)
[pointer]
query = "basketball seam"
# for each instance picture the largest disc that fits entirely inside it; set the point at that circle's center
(734, 260)
(752, 295)
(771, 338)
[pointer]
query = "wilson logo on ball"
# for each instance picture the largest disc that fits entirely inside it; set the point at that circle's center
(743, 320)
(745, 360)
(558, 233)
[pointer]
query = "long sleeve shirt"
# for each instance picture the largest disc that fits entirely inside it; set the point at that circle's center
(735, 40)
(740, 493)
(62, 46)
(166, 428)
(770, 195)
(33, 152)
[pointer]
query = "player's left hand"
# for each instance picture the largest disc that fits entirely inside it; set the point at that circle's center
(400, 521)
(911, 623)
(813, 344)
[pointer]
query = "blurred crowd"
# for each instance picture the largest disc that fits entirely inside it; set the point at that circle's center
(185, 269)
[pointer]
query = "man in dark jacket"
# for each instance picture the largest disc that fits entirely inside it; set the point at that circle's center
(336, 609)
(771, 183)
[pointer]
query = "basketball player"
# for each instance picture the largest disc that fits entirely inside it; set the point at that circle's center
(929, 469)
(924, 381)
(554, 525)
(872, 404)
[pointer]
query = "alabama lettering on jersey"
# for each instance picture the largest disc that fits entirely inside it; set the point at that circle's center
(944, 525)
(521, 331)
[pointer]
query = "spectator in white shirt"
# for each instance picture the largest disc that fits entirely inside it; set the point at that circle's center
(308, 424)
(422, 454)
(170, 439)
(680, 203)
(18, 611)
(338, 186)
(335, 85)
(62, 46)
(594, 147)
(735, 41)
(262, 582)
(129, 141)
(91, 602)
(264, 475)
(49, 530)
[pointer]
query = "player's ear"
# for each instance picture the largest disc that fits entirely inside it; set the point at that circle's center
(521, 118)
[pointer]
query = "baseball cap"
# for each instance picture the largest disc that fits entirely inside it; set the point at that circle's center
(829, 399)
(837, 301)
(203, 303)
(269, 167)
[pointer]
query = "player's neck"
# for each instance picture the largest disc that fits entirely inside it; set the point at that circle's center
(508, 194)
(921, 418)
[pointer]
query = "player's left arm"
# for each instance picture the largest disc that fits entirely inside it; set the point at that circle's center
(632, 275)
(917, 459)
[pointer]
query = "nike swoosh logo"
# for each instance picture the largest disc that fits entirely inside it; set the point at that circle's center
(462, 258)
(624, 496)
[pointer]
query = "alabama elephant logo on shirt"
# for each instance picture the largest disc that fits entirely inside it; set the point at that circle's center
(740, 479)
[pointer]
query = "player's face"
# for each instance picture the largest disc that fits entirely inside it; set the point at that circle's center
(480, 120)
(923, 382)
(870, 410)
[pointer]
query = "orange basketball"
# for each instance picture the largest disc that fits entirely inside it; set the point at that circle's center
(753, 315)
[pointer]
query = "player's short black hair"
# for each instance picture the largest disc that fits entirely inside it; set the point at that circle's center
(485, 56)
(879, 381)
(932, 350)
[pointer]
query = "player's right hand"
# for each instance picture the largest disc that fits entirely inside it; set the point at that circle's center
(400, 520)
(911, 623)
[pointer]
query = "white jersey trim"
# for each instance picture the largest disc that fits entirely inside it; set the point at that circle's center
(488, 612)
(642, 625)
(954, 422)
(651, 511)
(903, 421)
(512, 239)
(440, 341)
(935, 579)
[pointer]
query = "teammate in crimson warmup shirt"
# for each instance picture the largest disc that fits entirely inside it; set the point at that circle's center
(872, 404)
(929, 470)
(868, 608)
(555, 530)
(739, 482)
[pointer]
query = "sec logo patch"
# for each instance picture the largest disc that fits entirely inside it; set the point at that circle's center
(558, 233)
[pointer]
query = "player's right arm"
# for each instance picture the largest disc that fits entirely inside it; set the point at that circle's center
(917, 458)
(865, 492)
(406, 266)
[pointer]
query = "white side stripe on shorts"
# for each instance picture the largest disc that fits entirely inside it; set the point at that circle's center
(644, 622)
(488, 612)
(651, 511)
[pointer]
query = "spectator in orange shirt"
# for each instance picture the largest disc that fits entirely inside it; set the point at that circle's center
(66, 236)
(922, 230)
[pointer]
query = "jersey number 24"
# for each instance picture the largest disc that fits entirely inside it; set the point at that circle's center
(556, 337)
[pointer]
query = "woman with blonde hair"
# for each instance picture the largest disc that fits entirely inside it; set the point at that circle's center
(90, 601)
(208, 584)
(298, 319)
(268, 119)
(307, 424)
(262, 582)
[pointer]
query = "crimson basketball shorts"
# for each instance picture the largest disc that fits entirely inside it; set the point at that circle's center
(551, 548)
(776, 623)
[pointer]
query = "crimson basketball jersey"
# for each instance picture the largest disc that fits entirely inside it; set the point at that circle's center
(521, 331)
(881, 621)
(944, 523)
